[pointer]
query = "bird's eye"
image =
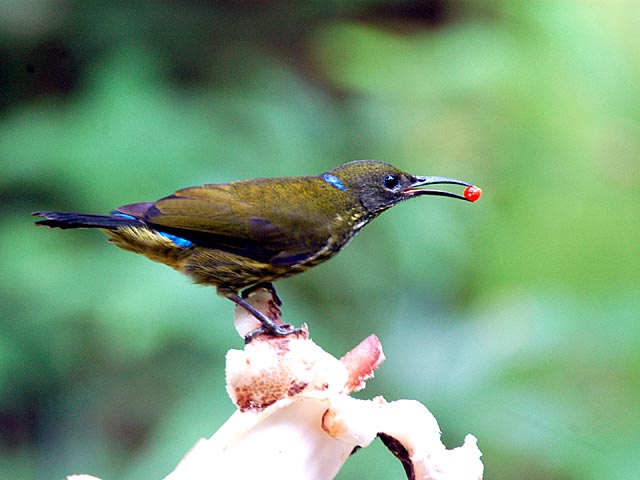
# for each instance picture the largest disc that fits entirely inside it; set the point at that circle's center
(391, 181)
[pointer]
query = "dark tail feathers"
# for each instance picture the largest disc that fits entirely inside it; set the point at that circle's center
(83, 220)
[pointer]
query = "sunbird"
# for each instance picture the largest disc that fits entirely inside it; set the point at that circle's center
(241, 235)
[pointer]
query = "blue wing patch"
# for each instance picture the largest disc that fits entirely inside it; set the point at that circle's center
(180, 242)
(123, 215)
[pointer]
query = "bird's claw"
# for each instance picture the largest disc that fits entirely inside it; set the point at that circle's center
(278, 330)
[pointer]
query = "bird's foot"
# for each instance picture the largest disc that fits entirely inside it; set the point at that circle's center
(269, 326)
(278, 330)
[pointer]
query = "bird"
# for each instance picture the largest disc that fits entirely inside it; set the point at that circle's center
(245, 234)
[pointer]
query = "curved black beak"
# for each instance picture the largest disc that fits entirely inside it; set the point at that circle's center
(415, 188)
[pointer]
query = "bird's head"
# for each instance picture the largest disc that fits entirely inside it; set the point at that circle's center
(380, 186)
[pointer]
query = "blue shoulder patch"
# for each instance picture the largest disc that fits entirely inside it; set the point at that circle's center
(333, 181)
(180, 242)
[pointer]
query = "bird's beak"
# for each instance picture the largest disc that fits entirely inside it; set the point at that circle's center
(416, 188)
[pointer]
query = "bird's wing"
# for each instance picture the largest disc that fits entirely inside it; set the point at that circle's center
(216, 216)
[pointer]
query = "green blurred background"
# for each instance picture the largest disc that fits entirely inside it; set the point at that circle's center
(515, 319)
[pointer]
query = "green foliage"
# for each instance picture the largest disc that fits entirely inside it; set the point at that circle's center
(515, 319)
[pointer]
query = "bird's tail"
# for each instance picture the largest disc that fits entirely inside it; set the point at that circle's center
(85, 220)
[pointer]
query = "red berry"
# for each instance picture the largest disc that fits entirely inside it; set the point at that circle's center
(472, 193)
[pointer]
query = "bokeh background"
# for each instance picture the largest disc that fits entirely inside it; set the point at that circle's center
(515, 319)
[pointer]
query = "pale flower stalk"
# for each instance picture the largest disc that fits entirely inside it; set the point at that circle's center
(296, 420)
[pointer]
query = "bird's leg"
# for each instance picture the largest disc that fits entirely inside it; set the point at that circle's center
(267, 286)
(268, 325)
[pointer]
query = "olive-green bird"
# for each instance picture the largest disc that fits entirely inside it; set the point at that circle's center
(239, 235)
